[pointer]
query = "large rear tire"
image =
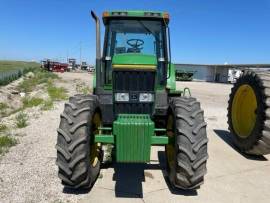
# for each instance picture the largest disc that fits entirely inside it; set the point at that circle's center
(78, 157)
(187, 154)
(249, 113)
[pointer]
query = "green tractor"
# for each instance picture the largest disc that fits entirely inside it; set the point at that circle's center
(134, 105)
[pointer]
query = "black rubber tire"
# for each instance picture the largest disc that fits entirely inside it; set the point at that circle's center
(258, 142)
(190, 144)
(73, 142)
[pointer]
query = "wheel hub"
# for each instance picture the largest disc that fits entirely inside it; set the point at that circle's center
(244, 108)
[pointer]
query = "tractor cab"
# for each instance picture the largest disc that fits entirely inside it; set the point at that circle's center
(135, 42)
(134, 63)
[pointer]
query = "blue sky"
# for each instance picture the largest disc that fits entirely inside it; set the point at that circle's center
(202, 31)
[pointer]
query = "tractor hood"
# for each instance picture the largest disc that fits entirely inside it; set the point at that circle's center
(130, 60)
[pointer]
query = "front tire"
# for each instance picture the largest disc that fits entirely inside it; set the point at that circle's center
(187, 156)
(78, 157)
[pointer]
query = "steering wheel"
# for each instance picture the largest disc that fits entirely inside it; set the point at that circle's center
(135, 43)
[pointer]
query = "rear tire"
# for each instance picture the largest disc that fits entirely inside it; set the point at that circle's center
(256, 140)
(75, 142)
(187, 156)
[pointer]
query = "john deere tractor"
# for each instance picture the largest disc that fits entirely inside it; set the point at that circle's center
(134, 105)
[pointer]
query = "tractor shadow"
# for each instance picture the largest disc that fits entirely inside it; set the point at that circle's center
(226, 137)
(128, 180)
(129, 177)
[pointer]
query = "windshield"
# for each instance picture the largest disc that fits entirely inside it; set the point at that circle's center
(147, 37)
(135, 36)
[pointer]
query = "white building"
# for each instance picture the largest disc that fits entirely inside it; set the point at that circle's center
(217, 73)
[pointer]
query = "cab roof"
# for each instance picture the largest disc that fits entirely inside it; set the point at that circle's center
(126, 14)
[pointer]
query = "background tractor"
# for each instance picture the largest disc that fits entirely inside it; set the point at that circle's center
(134, 106)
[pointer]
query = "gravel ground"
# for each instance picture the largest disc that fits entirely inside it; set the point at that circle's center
(28, 172)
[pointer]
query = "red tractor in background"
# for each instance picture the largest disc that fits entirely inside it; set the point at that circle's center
(54, 66)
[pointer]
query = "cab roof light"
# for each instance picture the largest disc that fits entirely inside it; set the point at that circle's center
(105, 14)
(119, 13)
(151, 14)
(166, 16)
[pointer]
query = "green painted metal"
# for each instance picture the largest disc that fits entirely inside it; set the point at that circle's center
(102, 138)
(107, 87)
(133, 133)
(109, 139)
(134, 59)
(175, 92)
(159, 140)
(160, 130)
(186, 92)
(171, 84)
(105, 128)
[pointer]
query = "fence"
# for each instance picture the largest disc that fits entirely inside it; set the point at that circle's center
(9, 76)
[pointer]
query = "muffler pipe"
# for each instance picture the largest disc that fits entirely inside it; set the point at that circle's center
(98, 52)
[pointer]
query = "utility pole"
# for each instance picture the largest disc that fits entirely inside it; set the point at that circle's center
(80, 52)
(67, 55)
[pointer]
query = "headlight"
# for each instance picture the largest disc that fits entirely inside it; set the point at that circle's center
(122, 97)
(146, 97)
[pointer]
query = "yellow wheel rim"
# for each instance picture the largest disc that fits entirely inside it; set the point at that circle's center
(244, 108)
(170, 153)
(95, 147)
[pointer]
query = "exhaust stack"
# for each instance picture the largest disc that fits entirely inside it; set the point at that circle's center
(98, 53)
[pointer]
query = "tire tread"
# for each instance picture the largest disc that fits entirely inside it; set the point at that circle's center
(191, 141)
(73, 142)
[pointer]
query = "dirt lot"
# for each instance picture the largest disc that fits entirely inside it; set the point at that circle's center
(28, 172)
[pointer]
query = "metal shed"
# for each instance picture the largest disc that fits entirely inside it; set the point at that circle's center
(216, 72)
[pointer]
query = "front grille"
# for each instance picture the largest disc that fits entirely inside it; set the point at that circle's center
(133, 82)
(133, 108)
